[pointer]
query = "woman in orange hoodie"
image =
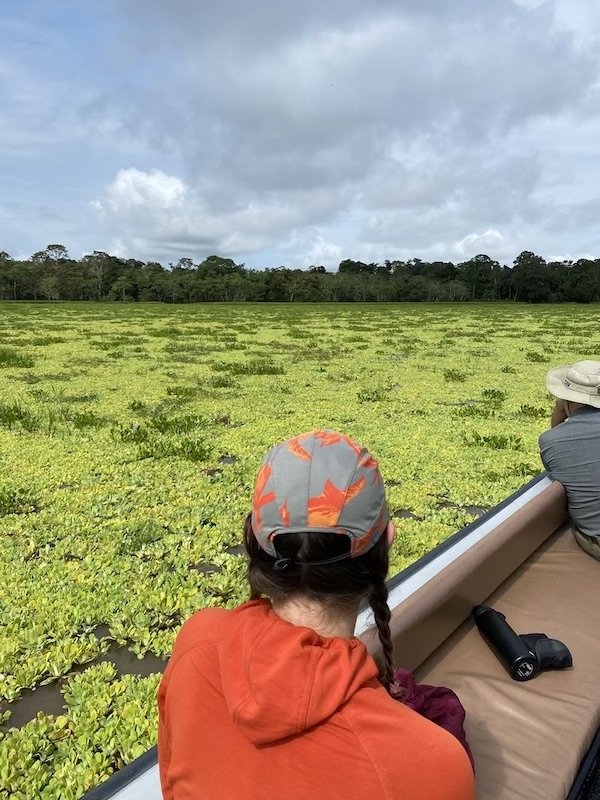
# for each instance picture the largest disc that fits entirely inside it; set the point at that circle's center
(277, 699)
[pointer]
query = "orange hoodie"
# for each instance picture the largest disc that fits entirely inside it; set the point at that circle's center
(253, 707)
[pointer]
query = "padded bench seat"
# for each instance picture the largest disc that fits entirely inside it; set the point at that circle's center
(529, 738)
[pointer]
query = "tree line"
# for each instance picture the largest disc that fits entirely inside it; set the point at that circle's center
(51, 274)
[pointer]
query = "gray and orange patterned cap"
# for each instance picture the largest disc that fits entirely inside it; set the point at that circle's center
(319, 481)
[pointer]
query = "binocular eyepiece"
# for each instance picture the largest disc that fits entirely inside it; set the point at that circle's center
(522, 655)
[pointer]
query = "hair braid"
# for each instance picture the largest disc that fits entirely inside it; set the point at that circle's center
(381, 611)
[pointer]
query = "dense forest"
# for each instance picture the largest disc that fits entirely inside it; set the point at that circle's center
(51, 275)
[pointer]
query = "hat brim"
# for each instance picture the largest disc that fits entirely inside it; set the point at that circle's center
(555, 385)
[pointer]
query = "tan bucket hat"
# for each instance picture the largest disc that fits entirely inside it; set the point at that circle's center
(580, 382)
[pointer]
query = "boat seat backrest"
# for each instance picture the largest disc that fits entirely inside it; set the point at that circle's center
(425, 617)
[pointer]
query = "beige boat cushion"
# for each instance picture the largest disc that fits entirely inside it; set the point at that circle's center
(529, 738)
(425, 617)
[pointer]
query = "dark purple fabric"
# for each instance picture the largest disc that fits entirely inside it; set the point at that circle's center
(436, 703)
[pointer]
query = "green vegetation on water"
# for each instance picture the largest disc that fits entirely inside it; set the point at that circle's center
(129, 441)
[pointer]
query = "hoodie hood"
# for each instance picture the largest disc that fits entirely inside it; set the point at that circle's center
(280, 679)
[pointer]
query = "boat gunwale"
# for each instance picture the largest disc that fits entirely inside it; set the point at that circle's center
(120, 780)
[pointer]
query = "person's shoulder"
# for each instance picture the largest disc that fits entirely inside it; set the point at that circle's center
(546, 437)
(557, 434)
(401, 741)
(579, 425)
(194, 653)
(203, 627)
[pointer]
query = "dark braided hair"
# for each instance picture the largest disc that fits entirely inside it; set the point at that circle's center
(344, 582)
(381, 612)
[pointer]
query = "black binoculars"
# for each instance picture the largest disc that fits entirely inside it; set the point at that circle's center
(523, 655)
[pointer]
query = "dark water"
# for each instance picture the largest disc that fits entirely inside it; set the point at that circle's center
(236, 550)
(476, 511)
(405, 513)
(49, 698)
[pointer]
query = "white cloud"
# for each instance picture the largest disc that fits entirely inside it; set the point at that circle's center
(150, 192)
(570, 256)
(529, 3)
(489, 242)
(581, 18)
(154, 215)
(319, 252)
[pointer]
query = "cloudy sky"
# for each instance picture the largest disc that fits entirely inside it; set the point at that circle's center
(279, 132)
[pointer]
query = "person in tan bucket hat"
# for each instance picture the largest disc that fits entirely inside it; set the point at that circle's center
(570, 450)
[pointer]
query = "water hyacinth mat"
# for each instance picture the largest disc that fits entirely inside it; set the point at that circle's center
(130, 436)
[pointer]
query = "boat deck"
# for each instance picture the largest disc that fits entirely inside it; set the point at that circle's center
(528, 739)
